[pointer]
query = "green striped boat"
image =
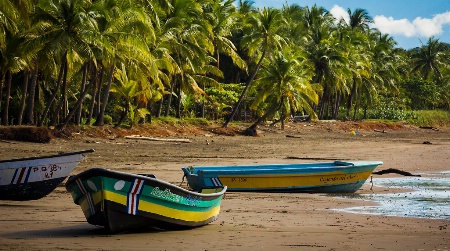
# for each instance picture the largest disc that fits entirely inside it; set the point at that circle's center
(123, 202)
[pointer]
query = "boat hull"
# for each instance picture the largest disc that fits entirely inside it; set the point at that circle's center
(328, 177)
(34, 178)
(123, 202)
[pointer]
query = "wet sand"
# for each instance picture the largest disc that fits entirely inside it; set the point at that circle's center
(248, 221)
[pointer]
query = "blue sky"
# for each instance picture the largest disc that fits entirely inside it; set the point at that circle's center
(408, 21)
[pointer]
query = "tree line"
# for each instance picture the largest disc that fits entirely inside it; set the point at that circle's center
(97, 61)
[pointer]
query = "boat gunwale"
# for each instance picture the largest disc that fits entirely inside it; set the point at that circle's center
(47, 156)
(72, 179)
(280, 169)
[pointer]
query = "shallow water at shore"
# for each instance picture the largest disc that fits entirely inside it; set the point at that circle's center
(427, 197)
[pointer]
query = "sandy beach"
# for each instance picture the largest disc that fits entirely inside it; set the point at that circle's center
(247, 221)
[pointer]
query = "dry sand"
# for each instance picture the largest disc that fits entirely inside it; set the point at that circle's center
(248, 221)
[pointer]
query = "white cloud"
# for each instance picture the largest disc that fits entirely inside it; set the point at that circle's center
(338, 12)
(421, 27)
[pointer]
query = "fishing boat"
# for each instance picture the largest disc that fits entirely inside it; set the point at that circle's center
(123, 202)
(323, 177)
(35, 177)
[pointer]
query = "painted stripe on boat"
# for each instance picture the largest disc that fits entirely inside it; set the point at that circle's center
(216, 182)
(19, 175)
(91, 203)
(133, 196)
(292, 181)
(14, 176)
(28, 175)
(88, 196)
(194, 216)
(81, 186)
(22, 171)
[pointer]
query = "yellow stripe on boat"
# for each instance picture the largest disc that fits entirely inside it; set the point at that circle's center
(292, 180)
(152, 207)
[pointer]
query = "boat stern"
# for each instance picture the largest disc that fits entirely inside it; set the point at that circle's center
(192, 178)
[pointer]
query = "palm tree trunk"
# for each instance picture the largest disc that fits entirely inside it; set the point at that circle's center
(97, 107)
(56, 114)
(160, 105)
(94, 94)
(321, 106)
(24, 97)
(203, 105)
(247, 85)
(58, 84)
(355, 109)
(75, 109)
(178, 103)
(63, 101)
(2, 81)
(150, 108)
(124, 115)
(251, 131)
(83, 87)
(169, 97)
(29, 117)
(5, 115)
(350, 98)
(337, 102)
(100, 118)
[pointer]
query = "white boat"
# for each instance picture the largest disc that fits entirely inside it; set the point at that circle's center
(36, 177)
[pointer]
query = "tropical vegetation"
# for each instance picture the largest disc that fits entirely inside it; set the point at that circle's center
(84, 62)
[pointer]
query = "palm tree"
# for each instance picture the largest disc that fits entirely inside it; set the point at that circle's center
(359, 19)
(223, 21)
(430, 59)
(65, 30)
(358, 24)
(316, 17)
(245, 7)
(125, 89)
(13, 21)
(125, 28)
(223, 16)
(284, 87)
(11, 62)
(295, 24)
(386, 65)
(188, 38)
(9, 20)
(328, 54)
(263, 34)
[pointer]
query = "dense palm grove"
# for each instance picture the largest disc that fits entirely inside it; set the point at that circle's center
(125, 61)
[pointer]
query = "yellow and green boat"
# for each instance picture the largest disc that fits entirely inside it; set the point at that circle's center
(323, 177)
(123, 202)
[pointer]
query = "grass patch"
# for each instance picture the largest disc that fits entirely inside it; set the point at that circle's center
(433, 118)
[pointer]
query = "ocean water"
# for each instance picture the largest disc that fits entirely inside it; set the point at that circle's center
(429, 197)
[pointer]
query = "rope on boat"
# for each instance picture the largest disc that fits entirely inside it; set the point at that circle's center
(371, 183)
(182, 180)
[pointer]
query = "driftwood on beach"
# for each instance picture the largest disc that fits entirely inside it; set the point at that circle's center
(293, 136)
(429, 127)
(158, 139)
(393, 170)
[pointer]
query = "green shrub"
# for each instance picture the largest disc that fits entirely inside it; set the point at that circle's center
(107, 120)
(433, 118)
